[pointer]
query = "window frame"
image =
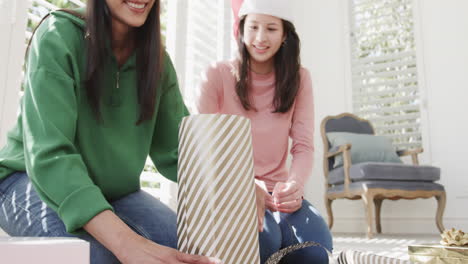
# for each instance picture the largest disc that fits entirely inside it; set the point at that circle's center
(423, 112)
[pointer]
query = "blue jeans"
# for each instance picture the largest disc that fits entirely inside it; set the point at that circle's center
(282, 230)
(22, 213)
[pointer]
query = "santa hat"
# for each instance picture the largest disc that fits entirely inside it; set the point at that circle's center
(277, 8)
(236, 5)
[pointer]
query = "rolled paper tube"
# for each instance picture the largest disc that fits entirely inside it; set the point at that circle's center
(277, 256)
(216, 213)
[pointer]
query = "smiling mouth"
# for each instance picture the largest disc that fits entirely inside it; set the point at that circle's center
(135, 5)
(261, 48)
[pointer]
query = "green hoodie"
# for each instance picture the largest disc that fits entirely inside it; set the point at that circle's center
(76, 164)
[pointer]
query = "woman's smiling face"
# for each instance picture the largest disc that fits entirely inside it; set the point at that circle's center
(263, 36)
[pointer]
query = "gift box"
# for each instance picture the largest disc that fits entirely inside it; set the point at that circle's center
(438, 254)
(216, 213)
(27, 250)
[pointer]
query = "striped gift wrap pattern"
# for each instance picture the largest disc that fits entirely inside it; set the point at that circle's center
(216, 214)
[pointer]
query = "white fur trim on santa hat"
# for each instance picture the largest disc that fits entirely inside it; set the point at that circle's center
(277, 8)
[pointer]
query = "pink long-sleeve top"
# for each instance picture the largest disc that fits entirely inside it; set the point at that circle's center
(270, 131)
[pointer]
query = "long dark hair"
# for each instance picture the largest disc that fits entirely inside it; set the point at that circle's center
(287, 65)
(149, 56)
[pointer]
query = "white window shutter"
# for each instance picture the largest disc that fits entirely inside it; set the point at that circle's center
(209, 33)
(198, 33)
(13, 18)
(384, 69)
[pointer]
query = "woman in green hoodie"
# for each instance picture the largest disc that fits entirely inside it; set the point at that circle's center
(99, 98)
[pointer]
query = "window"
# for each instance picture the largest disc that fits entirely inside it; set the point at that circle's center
(209, 32)
(199, 33)
(384, 70)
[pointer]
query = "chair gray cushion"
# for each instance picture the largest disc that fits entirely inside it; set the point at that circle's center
(347, 124)
(380, 171)
(389, 185)
(364, 148)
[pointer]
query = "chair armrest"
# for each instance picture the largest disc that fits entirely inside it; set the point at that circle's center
(341, 149)
(407, 152)
(411, 152)
(345, 151)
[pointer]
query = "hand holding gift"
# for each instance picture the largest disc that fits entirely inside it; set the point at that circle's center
(288, 196)
(264, 201)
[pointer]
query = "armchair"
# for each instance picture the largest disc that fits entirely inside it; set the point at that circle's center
(373, 180)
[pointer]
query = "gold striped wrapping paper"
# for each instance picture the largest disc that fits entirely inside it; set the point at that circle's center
(438, 254)
(357, 257)
(216, 213)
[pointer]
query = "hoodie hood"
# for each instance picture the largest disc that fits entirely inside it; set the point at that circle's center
(79, 21)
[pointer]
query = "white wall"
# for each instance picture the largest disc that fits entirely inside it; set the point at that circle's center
(321, 27)
(444, 42)
(12, 32)
(443, 64)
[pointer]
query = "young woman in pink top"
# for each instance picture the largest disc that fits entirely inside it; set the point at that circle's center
(268, 85)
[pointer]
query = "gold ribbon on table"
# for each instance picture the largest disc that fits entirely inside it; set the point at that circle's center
(438, 254)
(216, 213)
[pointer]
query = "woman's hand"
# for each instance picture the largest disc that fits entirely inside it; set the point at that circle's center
(129, 247)
(264, 201)
(141, 251)
(288, 196)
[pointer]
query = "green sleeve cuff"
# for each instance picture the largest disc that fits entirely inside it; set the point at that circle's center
(82, 205)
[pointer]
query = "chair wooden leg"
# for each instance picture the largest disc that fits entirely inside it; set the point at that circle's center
(369, 204)
(441, 199)
(378, 207)
(328, 203)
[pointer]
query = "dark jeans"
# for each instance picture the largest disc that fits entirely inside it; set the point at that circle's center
(282, 230)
